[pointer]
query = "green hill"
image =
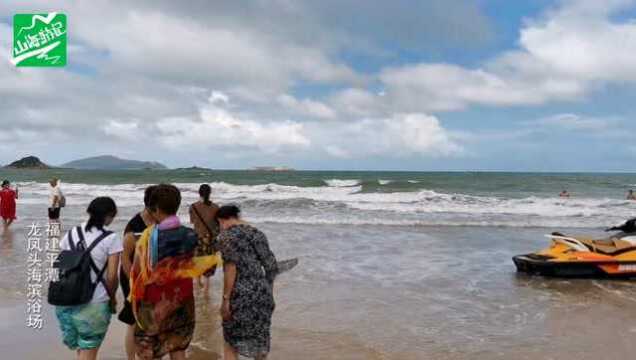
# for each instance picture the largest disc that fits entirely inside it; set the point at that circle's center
(29, 162)
(109, 162)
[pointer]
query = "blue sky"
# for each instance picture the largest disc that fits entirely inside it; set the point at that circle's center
(437, 85)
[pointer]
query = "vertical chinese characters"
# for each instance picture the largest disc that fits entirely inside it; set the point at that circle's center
(34, 277)
(53, 231)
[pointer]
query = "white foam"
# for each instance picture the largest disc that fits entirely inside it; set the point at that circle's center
(384, 182)
(348, 205)
(342, 183)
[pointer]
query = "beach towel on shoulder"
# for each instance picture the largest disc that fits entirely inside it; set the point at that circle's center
(161, 288)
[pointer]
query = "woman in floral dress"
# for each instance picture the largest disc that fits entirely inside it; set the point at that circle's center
(248, 302)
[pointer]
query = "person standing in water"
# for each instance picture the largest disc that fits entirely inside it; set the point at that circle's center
(7, 204)
(56, 199)
(203, 217)
(162, 297)
(132, 232)
(249, 268)
(564, 194)
(631, 195)
(84, 326)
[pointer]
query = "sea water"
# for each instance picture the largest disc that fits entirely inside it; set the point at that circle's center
(395, 265)
(364, 198)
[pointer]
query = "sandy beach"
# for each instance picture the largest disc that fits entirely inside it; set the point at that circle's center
(387, 270)
(413, 302)
(26, 343)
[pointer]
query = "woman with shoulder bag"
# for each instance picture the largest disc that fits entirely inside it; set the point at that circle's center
(202, 216)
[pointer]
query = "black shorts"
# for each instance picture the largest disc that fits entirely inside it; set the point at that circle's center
(126, 315)
(54, 213)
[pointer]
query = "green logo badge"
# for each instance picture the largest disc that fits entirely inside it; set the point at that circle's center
(39, 39)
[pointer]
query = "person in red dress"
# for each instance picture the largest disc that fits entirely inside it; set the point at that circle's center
(7, 204)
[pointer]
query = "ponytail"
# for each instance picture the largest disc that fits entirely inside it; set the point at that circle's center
(98, 210)
(204, 191)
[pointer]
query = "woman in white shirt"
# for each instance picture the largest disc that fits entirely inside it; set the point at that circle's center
(84, 326)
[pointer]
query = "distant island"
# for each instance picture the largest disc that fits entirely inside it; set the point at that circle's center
(272, 168)
(109, 162)
(193, 168)
(29, 162)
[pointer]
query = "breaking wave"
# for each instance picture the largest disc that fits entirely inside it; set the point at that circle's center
(342, 202)
(342, 183)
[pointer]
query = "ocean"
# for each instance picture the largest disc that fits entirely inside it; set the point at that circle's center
(393, 265)
(367, 198)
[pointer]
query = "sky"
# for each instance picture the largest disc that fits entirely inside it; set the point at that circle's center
(493, 85)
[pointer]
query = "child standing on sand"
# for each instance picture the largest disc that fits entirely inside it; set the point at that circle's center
(7, 204)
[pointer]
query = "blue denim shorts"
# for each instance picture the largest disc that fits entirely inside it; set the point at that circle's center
(84, 326)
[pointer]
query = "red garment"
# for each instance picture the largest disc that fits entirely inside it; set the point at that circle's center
(7, 204)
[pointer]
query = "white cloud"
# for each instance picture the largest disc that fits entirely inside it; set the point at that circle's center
(306, 107)
(217, 126)
(582, 41)
(150, 65)
(122, 130)
(337, 152)
(572, 51)
(420, 134)
(397, 136)
(443, 87)
(179, 49)
(561, 125)
(218, 97)
(356, 102)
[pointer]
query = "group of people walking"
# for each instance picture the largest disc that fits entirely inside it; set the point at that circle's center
(157, 262)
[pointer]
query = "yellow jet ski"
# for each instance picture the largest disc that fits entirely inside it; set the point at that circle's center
(580, 256)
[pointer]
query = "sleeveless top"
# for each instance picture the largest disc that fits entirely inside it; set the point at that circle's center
(135, 225)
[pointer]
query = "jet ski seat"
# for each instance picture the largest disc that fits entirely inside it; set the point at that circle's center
(609, 246)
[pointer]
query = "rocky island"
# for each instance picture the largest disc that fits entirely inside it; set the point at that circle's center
(29, 162)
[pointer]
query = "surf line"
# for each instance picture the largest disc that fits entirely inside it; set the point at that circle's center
(616, 293)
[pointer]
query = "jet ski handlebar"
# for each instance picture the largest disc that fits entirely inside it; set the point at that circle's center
(627, 227)
(569, 241)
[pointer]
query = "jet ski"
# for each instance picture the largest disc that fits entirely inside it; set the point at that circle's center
(581, 256)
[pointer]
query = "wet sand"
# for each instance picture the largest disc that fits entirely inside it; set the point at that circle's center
(387, 293)
(207, 343)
